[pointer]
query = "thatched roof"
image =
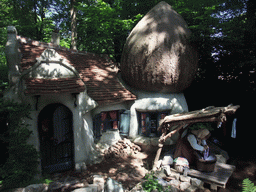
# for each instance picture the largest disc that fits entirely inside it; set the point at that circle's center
(209, 114)
(157, 55)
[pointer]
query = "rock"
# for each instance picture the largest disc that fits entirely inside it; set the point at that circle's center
(87, 189)
(99, 180)
(175, 175)
(94, 187)
(191, 189)
(175, 183)
(197, 183)
(167, 170)
(185, 179)
(158, 164)
(113, 186)
(172, 189)
(167, 160)
(36, 188)
(184, 185)
(160, 174)
(162, 182)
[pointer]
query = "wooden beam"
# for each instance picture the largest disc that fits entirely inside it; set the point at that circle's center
(209, 114)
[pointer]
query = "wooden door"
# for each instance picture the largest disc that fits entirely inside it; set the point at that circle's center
(55, 124)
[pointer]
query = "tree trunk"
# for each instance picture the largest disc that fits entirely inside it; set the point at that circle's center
(73, 12)
(250, 36)
(42, 15)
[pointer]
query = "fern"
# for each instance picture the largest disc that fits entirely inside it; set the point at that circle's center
(248, 186)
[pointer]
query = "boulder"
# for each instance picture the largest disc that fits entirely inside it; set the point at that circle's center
(113, 186)
(99, 180)
(191, 188)
(175, 183)
(184, 186)
(197, 183)
(185, 178)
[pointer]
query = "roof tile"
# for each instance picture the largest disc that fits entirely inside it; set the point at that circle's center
(95, 72)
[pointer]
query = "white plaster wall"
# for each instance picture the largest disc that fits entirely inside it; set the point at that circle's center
(148, 101)
(82, 124)
(84, 141)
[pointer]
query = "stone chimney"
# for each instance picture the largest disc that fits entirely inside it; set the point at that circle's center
(13, 55)
(55, 37)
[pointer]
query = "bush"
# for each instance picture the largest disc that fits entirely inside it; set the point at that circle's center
(151, 183)
(22, 163)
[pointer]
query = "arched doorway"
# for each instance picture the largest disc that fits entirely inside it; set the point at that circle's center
(55, 126)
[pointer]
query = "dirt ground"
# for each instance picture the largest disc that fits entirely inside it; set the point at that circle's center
(245, 168)
(131, 170)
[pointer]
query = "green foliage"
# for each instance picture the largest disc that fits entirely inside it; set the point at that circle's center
(209, 126)
(22, 163)
(248, 186)
(102, 29)
(3, 63)
(151, 183)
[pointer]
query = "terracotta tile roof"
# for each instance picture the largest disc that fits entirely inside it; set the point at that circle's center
(50, 86)
(96, 72)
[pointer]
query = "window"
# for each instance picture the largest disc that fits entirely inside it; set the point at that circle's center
(149, 122)
(111, 120)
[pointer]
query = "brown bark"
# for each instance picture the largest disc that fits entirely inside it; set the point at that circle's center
(209, 114)
(73, 13)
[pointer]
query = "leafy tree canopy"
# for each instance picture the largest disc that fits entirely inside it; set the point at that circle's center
(223, 30)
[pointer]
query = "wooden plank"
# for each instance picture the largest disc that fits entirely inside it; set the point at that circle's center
(219, 176)
(209, 113)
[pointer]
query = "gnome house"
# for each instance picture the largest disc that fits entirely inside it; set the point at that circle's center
(78, 98)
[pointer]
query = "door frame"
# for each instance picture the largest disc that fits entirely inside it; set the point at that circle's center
(51, 158)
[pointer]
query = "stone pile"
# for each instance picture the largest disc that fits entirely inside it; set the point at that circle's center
(175, 182)
(122, 148)
(178, 182)
(97, 184)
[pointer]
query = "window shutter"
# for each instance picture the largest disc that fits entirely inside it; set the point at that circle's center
(124, 122)
(148, 125)
(97, 126)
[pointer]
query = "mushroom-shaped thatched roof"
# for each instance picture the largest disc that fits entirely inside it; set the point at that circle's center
(157, 55)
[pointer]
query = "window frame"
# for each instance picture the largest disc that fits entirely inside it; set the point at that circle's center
(100, 126)
(145, 120)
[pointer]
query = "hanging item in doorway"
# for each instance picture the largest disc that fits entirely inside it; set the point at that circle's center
(233, 132)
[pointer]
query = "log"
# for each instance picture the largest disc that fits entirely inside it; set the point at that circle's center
(169, 178)
(158, 153)
(209, 114)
